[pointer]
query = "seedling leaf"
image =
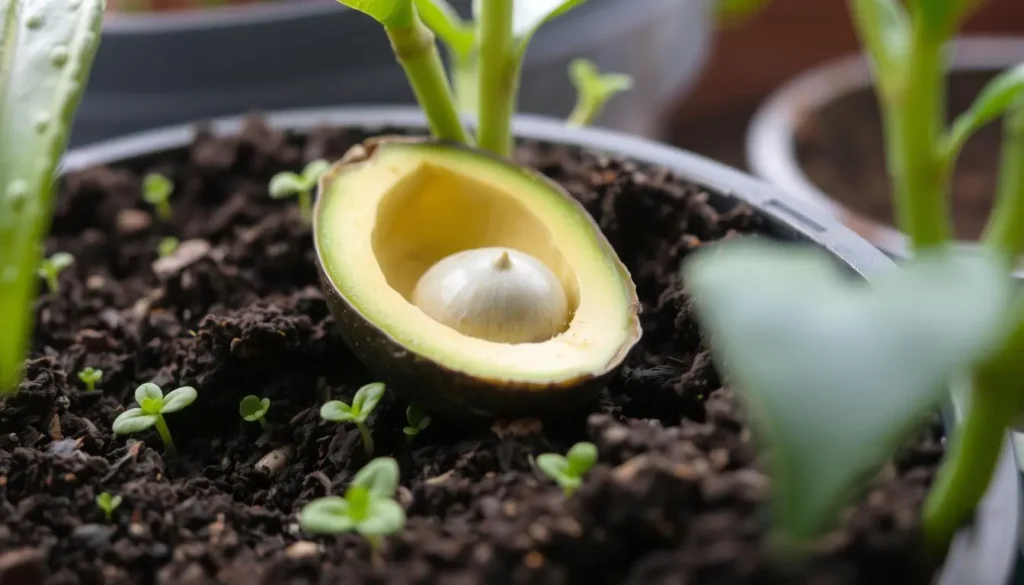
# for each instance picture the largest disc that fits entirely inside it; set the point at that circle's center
(593, 89)
(834, 371)
(329, 515)
(178, 399)
(417, 419)
(286, 184)
(580, 458)
(366, 400)
(379, 477)
(149, 392)
(1003, 92)
(253, 408)
(167, 246)
(529, 15)
(390, 13)
(108, 503)
(385, 516)
(336, 411)
(312, 171)
(133, 420)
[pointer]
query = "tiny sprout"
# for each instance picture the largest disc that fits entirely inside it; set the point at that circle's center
(368, 507)
(153, 405)
(157, 190)
(89, 377)
(363, 403)
(254, 409)
(108, 504)
(593, 89)
(568, 471)
(52, 267)
(167, 246)
(286, 184)
(418, 420)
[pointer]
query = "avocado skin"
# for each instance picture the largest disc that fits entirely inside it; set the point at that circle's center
(449, 393)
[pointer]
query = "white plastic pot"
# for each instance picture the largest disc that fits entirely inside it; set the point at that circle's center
(154, 69)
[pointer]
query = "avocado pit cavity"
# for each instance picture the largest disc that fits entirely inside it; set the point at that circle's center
(497, 294)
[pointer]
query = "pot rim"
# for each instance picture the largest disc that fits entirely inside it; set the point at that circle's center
(771, 142)
(985, 552)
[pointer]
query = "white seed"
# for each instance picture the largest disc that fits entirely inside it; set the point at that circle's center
(497, 294)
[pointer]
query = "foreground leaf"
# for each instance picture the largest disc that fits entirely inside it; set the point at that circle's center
(836, 372)
(441, 18)
(379, 477)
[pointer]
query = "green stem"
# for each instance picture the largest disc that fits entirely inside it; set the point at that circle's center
(306, 207)
(584, 112)
(263, 424)
(90, 386)
(163, 210)
(920, 174)
(466, 82)
(1005, 231)
(498, 77)
(53, 283)
(416, 51)
(165, 435)
(367, 439)
(969, 464)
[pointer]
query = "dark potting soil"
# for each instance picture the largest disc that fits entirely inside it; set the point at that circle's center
(840, 147)
(677, 497)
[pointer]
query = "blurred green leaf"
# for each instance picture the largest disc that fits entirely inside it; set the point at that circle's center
(390, 13)
(1003, 92)
(836, 372)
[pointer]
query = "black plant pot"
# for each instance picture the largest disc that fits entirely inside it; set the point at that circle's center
(984, 553)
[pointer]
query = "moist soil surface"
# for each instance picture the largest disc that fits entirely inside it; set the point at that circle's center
(676, 498)
(840, 147)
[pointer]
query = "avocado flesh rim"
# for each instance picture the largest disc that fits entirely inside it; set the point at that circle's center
(384, 220)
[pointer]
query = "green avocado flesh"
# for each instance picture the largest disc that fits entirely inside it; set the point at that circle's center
(392, 208)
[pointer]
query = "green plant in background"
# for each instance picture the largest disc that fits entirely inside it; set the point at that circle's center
(168, 246)
(50, 269)
(157, 190)
(418, 420)
(593, 90)
(838, 373)
(487, 57)
(153, 405)
(48, 48)
(568, 470)
(89, 377)
(363, 403)
(368, 507)
(288, 184)
(108, 503)
(254, 409)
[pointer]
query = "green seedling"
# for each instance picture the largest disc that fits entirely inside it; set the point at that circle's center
(108, 503)
(48, 49)
(254, 409)
(568, 470)
(157, 190)
(89, 377)
(486, 54)
(153, 405)
(837, 373)
(417, 419)
(288, 184)
(50, 269)
(368, 507)
(168, 246)
(593, 90)
(363, 403)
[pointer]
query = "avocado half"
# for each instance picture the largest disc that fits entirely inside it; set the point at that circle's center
(392, 207)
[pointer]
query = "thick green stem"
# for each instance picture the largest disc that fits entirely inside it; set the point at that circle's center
(367, 439)
(498, 77)
(416, 51)
(920, 173)
(165, 435)
(969, 464)
(1005, 231)
(466, 82)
